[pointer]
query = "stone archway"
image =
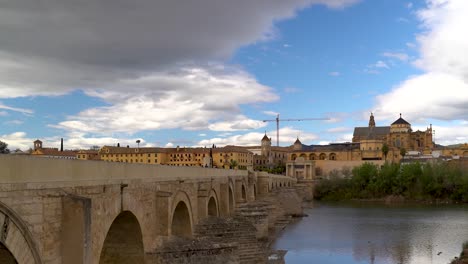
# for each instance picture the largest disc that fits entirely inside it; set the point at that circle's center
(332, 156)
(181, 225)
(16, 241)
(124, 241)
(212, 207)
(322, 156)
(244, 193)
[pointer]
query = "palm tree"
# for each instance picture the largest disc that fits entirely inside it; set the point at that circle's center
(402, 152)
(385, 150)
(233, 164)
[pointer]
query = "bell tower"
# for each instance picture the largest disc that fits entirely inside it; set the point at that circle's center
(37, 144)
(266, 146)
(371, 120)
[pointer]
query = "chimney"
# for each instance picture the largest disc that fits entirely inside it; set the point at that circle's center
(61, 144)
(118, 145)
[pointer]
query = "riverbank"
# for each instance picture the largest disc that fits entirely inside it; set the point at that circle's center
(424, 183)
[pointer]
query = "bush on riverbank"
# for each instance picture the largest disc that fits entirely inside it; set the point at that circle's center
(414, 181)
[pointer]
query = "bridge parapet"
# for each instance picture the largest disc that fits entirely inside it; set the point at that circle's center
(89, 205)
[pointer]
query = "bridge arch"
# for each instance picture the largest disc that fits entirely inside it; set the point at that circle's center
(16, 241)
(213, 204)
(124, 241)
(232, 199)
(181, 217)
(244, 193)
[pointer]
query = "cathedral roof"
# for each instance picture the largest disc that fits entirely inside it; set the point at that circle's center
(400, 121)
(297, 141)
(265, 138)
(366, 131)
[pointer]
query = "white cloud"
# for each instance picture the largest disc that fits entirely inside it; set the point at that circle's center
(270, 113)
(190, 99)
(441, 92)
(339, 129)
(449, 135)
(410, 45)
(335, 73)
(443, 45)
(72, 141)
(286, 45)
(396, 55)
(287, 137)
(14, 122)
(235, 125)
(381, 64)
(431, 95)
(17, 140)
(16, 109)
(409, 5)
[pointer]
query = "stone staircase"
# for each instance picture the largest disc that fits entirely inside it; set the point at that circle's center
(234, 229)
(254, 225)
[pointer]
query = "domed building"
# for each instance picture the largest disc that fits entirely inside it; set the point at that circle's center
(399, 135)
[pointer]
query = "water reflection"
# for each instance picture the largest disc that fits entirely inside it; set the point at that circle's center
(357, 233)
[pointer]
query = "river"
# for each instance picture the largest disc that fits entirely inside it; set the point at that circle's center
(375, 233)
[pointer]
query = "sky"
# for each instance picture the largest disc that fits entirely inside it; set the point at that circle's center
(197, 73)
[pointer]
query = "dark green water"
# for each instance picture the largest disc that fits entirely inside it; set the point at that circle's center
(370, 233)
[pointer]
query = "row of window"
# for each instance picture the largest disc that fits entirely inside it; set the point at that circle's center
(128, 155)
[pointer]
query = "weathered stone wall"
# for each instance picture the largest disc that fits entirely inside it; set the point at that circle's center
(62, 211)
(184, 251)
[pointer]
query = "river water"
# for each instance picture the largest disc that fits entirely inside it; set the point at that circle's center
(372, 233)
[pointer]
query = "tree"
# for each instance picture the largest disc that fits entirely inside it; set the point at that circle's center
(233, 164)
(385, 150)
(138, 142)
(4, 148)
(402, 152)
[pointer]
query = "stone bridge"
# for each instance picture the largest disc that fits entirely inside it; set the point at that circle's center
(73, 211)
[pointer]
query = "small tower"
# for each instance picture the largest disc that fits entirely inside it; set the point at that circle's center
(37, 144)
(266, 146)
(297, 144)
(371, 120)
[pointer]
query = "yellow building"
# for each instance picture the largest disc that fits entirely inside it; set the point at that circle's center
(89, 154)
(224, 157)
(268, 156)
(399, 135)
(368, 142)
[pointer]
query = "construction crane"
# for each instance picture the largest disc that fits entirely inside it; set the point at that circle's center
(277, 120)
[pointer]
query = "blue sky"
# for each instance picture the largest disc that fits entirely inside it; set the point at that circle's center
(213, 72)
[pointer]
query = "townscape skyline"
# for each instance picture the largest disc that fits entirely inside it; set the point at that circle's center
(209, 72)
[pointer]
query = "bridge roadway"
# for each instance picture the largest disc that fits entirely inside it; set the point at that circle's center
(73, 211)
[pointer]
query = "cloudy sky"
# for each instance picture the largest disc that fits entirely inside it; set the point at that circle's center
(196, 73)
